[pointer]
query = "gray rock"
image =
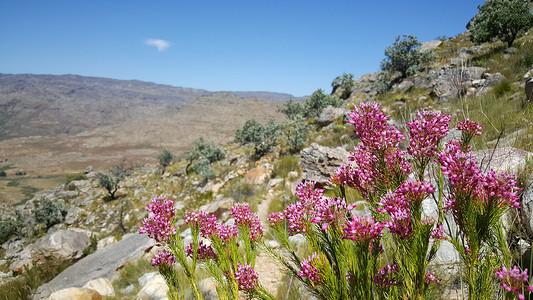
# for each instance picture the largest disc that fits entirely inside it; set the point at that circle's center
(319, 162)
(493, 79)
(526, 213)
(330, 114)
(88, 170)
(103, 263)
(208, 288)
(60, 245)
(510, 50)
(153, 287)
(429, 46)
(402, 87)
(72, 215)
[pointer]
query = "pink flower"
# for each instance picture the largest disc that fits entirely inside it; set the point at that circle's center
(384, 277)
(158, 225)
(276, 218)
(163, 258)
(296, 215)
(362, 229)
(500, 188)
(329, 211)
(415, 191)
(370, 124)
(311, 268)
(514, 281)
(430, 278)
(309, 195)
(436, 234)
(204, 251)
(425, 134)
(246, 277)
(244, 217)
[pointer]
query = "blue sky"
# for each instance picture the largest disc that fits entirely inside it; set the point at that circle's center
(279, 46)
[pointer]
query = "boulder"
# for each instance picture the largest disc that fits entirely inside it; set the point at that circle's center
(102, 285)
(258, 174)
(493, 78)
(72, 215)
(506, 159)
(208, 288)
(153, 287)
(218, 208)
(429, 45)
(104, 263)
(76, 294)
(105, 242)
(330, 114)
(60, 245)
(319, 162)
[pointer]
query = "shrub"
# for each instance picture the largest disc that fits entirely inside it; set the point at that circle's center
(205, 153)
(165, 159)
(315, 103)
(403, 56)
(50, 212)
(292, 109)
(344, 83)
(262, 138)
(383, 82)
(505, 20)
(110, 180)
(295, 133)
(8, 228)
(75, 176)
(3, 174)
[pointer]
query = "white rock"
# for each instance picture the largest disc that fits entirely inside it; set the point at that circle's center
(102, 285)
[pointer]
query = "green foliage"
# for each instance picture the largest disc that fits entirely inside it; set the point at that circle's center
(344, 83)
(502, 88)
(3, 174)
(295, 133)
(165, 159)
(204, 153)
(285, 165)
(110, 180)
(50, 212)
(92, 246)
(8, 228)
(292, 109)
(130, 274)
(505, 20)
(403, 56)
(315, 103)
(75, 176)
(262, 138)
(25, 285)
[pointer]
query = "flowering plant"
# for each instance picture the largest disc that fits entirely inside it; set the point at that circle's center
(385, 255)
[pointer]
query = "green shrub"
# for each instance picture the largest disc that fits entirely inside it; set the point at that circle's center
(3, 174)
(8, 228)
(110, 180)
(165, 159)
(75, 176)
(503, 87)
(204, 153)
(295, 133)
(315, 103)
(403, 56)
(344, 83)
(50, 212)
(292, 109)
(505, 20)
(262, 138)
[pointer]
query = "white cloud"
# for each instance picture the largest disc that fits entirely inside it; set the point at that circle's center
(161, 45)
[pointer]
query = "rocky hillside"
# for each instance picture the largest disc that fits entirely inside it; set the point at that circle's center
(485, 82)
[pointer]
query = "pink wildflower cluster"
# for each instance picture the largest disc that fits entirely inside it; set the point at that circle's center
(430, 278)
(276, 218)
(415, 191)
(330, 210)
(244, 217)
(158, 225)
(311, 267)
(385, 277)
(204, 251)
(470, 128)
(210, 227)
(514, 281)
(436, 234)
(425, 134)
(363, 229)
(469, 182)
(370, 124)
(246, 277)
(163, 258)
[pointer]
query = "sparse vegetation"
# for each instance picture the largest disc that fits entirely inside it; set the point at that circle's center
(344, 83)
(204, 154)
(165, 159)
(403, 56)
(8, 228)
(262, 138)
(75, 176)
(110, 180)
(50, 212)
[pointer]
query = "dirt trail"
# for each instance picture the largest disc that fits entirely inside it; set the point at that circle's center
(270, 274)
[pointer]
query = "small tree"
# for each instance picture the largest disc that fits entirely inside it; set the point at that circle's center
(505, 20)
(344, 83)
(206, 154)
(295, 133)
(110, 180)
(50, 212)
(262, 138)
(165, 159)
(315, 103)
(8, 228)
(292, 109)
(403, 56)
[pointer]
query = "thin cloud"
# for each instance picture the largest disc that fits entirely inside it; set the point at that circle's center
(161, 45)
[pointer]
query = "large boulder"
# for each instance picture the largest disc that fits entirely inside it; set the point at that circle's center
(102, 285)
(104, 263)
(153, 287)
(319, 162)
(449, 82)
(60, 245)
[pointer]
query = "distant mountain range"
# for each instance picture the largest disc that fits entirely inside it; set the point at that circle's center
(48, 105)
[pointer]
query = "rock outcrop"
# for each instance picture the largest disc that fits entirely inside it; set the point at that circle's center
(319, 162)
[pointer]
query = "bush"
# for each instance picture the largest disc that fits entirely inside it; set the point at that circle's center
(8, 228)
(344, 83)
(3, 174)
(50, 212)
(110, 180)
(292, 109)
(295, 133)
(205, 153)
(74, 177)
(505, 20)
(403, 56)
(262, 138)
(315, 103)
(165, 159)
